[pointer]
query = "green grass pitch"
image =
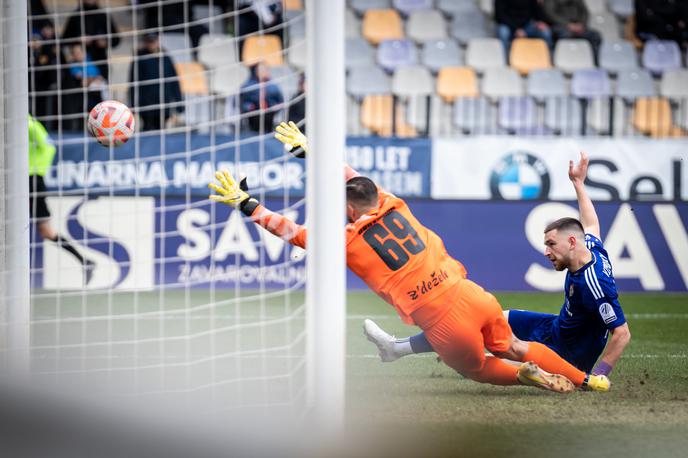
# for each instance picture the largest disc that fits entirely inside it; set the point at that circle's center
(416, 406)
(427, 407)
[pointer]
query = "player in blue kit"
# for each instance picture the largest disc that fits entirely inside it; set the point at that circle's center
(591, 310)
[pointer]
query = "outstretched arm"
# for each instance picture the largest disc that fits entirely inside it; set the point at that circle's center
(588, 216)
(297, 144)
(612, 352)
(235, 195)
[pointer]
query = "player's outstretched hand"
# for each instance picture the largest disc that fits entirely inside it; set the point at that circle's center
(577, 173)
(228, 190)
(294, 141)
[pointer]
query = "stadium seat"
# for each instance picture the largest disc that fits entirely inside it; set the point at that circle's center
(296, 27)
(406, 7)
(661, 55)
(631, 84)
(379, 25)
(607, 25)
(287, 80)
(358, 52)
(214, 50)
(563, 115)
(546, 83)
(595, 6)
(674, 85)
(622, 8)
(392, 54)
(617, 55)
(470, 25)
(376, 115)
(412, 80)
(361, 6)
(474, 115)
(425, 25)
(458, 7)
(177, 46)
(262, 48)
(573, 54)
(485, 53)
(502, 82)
(118, 81)
(453, 82)
(363, 81)
(682, 120)
(487, 7)
(297, 55)
(517, 114)
(529, 54)
(590, 83)
(209, 17)
(293, 4)
(227, 79)
(652, 116)
(192, 78)
(352, 25)
(441, 53)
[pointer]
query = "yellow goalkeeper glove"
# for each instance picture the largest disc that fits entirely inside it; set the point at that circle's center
(232, 193)
(294, 141)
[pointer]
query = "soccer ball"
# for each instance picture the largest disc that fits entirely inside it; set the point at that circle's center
(111, 123)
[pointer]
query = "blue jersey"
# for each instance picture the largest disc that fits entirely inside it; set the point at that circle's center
(591, 308)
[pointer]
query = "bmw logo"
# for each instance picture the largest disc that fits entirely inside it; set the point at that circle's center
(519, 176)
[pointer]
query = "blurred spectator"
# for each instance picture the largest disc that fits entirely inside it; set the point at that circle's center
(177, 16)
(38, 17)
(569, 19)
(297, 105)
(149, 93)
(520, 19)
(99, 32)
(662, 19)
(259, 15)
(260, 95)
(85, 87)
(44, 59)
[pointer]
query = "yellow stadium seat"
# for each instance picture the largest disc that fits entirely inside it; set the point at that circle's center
(453, 82)
(293, 4)
(381, 25)
(262, 48)
(529, 54)
(652, 116)
(376, 115)
(192, 78)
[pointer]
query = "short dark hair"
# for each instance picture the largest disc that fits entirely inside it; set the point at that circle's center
(565, 224)
(361, 190)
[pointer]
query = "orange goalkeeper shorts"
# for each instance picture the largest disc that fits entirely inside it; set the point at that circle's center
(472, 322)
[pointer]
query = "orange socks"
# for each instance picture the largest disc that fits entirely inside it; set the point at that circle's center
(496, 372)
(551, 362)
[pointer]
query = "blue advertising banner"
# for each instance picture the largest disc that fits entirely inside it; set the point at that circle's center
(143, 242)
(182, 165)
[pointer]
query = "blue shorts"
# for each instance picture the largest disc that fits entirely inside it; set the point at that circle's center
(533, 326)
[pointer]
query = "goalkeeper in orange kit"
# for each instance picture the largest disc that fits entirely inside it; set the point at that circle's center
(407, 265)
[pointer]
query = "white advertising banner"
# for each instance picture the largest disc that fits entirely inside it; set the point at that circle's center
(519, 168)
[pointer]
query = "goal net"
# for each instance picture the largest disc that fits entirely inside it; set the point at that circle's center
(141, 288)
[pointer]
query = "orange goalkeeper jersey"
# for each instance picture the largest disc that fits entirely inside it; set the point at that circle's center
(405, 263)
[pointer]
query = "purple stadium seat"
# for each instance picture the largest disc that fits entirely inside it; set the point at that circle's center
(396, 53)
(407, 7)
(661, 55)
(517, 114)
(590, 82)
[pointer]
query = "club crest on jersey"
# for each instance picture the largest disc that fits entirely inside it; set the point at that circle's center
(571, 290)
(607, 313)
